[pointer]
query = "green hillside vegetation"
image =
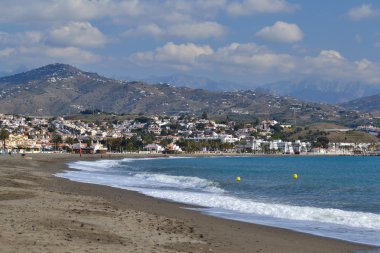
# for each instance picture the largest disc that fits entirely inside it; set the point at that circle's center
(312, 132)
(352, 137)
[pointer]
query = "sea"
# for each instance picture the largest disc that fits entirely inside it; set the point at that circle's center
(333, 196)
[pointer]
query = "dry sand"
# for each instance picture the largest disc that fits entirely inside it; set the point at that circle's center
(43, 213)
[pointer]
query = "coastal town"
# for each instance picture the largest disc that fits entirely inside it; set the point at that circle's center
(169, 135)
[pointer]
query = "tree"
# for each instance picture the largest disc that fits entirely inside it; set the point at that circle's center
(322, 141)
(277, 128)
(70, 140)
(4, 135)
(56, 139)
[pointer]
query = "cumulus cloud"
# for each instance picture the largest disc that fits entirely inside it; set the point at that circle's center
(180, 56)
(247, 7)
(80, 34)
(249, 59)
(235, 57)
(281, 32)
(332, 64)
(363, 12)
(329, 62)
(185, 53)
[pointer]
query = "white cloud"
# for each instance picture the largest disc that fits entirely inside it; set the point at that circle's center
(6, 52)
(363, 64)
(363, 12)
(235, 57)
(330, 56)
(181, 56)
(182, 52)
(331, 64)
(328, 62)
(251, 58)
(68, 10)
(148, 29)
(245, 61)
(79, 34)
(191, 31)
(21, 38)
(281, 32)
(248, 7)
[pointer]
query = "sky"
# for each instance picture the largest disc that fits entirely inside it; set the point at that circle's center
(245, 41)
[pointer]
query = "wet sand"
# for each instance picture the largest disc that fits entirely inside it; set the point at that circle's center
(43, 213)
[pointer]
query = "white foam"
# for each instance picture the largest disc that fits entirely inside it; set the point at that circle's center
(202, 192)
(100, 172)
(156, 158)
(100, 165)
(248, 206)
(180, 182)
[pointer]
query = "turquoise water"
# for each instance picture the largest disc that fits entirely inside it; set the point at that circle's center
(336, 197)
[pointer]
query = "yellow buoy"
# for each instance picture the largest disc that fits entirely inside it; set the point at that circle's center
(295, 176)
(238, 179)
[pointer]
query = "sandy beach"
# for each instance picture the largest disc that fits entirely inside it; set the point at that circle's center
(43, 213)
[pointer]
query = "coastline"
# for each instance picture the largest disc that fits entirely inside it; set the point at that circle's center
(41, 212)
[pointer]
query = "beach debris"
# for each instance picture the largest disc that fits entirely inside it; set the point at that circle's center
(295, 176)
(238, 179)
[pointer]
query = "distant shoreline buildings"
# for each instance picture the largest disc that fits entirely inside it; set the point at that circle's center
(156, 134)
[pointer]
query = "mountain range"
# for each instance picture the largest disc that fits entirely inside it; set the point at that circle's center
(312, 88)
(321, 90)
(59, 89)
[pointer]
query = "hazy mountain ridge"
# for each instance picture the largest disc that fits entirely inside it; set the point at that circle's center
(59, 89)
(321, 90)
(369, 104)
(195, 82)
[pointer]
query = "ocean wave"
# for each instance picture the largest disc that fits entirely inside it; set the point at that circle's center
(100, 165)
(207, 193)
(355, 226)
(248, 206)
(98, 172)
(180, 182)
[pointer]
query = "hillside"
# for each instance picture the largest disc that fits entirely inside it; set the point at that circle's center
(59, 89)
(369, 104)
(334, 132)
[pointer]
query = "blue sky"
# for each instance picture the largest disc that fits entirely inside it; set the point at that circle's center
(248, 41)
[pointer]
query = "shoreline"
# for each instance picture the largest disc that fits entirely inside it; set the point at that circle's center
(170, 226)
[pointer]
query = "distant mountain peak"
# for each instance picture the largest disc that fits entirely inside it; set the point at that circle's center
(59, 70)
(56, 69)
